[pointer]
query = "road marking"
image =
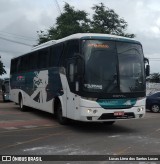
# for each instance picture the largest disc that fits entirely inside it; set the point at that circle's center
(47, 125)
(123, 151)
(114, 136)
(30, 126)
(35, 139)
(17, 123)
(10, 128)
(18, 130)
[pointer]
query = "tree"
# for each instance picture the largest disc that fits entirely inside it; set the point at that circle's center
(70, 22)
(154, 78)
(106, 21)
(1, 81)
(73, 21)
(2, 70)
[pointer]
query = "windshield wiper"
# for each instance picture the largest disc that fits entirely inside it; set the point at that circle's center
(112, 85)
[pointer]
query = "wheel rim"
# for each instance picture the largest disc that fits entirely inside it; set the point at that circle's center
(155, 108)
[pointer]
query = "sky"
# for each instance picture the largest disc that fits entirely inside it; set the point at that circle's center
(21, 19)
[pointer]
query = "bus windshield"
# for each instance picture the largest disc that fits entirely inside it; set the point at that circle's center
(113, 67)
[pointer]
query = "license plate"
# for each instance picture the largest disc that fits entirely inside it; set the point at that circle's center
(120, 113)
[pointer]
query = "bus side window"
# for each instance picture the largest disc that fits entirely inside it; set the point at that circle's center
(19, 65)
(25, 63)
(43, 58)
(22, 66)
(33, 60)
(55, 54)
(13, 66)
(71, 47)
(52, 56)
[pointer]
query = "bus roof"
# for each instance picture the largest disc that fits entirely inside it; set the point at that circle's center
(83, 36)
(86, 36)
(94, 36)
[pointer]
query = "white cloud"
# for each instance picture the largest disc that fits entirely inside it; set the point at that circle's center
(28, 16)
(155, 30)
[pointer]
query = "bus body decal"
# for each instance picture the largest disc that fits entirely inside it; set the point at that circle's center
(41, 86)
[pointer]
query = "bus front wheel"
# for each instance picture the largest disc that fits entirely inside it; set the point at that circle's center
(62, 120)
(3, 98)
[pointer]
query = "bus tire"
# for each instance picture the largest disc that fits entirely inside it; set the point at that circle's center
(3, 98)
(22, 107)
(62, 120)
(109, 122)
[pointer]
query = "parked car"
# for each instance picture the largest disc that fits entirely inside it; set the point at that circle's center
(5, 90)
(153, 102)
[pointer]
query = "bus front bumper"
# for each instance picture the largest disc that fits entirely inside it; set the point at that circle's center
(102, 115)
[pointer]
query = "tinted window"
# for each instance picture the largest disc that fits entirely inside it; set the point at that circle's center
(156, 95)
(19, 65)
(131, 67)
(6, 82)
(33, 60)
(13, 66)
(55, 53)
(24, 63)
(72, 48)
(43, 58)
(100, 66)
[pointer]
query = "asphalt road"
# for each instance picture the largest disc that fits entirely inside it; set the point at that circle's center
(38, 133)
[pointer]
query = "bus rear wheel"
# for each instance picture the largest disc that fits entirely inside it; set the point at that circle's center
(62, 120)
(22, 107)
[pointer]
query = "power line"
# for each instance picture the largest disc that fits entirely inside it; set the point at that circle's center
(16, 37)
(58, 7)
(10, 51)
(19, 36)
(15, 41)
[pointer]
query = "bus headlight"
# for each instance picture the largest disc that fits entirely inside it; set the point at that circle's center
(140, 109)
(95, 111)
(92, 111)
(89, 111)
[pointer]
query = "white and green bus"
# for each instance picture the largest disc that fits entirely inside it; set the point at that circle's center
(85, 77)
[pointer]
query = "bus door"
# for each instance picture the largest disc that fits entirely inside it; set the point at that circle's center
(71, 97)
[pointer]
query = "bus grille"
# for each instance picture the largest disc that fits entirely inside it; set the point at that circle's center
(111, 116)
